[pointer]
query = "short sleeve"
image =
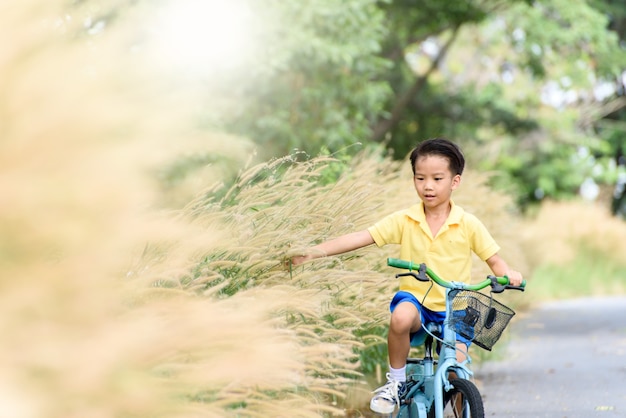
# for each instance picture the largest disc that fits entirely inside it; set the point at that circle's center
(481, 241)
(388, 230)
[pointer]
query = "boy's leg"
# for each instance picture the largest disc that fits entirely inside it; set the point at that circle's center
(461, 351)
(405, 319)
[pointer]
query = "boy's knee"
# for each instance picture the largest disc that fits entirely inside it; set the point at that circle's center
(402, 321)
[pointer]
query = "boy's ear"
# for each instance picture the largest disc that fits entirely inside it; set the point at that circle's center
(456, 181)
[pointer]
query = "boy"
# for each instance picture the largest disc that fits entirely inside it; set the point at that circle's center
(435, 232)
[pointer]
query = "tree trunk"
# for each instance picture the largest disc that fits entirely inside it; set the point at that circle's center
(384, 126)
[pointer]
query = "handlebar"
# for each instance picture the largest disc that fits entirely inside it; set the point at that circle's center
(424, 274)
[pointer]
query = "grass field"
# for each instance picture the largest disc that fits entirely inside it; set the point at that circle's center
(576, 249)
(134, 287)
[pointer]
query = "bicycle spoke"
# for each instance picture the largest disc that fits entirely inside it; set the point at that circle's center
(458, 405)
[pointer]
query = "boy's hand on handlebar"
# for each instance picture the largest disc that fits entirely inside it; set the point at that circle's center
(515, 277)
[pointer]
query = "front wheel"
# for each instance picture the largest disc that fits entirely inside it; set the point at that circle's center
(462, 401)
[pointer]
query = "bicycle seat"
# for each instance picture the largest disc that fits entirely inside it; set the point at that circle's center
(418, 339)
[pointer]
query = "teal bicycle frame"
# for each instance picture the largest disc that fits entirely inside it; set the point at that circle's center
(428, 379)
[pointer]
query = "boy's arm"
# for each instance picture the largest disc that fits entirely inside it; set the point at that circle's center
(339, 245)
(501, 268)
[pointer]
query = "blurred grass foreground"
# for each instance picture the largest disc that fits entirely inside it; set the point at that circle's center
(88, 330)
(114, 306)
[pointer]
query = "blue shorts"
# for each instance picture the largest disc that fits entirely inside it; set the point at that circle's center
(417, 338)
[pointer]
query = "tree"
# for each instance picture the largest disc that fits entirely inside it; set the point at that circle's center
(318, 84)
(494, 75)
(427, 30)
(612, 127)
(525, 86)
(519, 86)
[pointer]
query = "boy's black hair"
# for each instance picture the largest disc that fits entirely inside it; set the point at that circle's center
(442, 147)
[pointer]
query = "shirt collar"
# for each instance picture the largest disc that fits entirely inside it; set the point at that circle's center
(416, 212)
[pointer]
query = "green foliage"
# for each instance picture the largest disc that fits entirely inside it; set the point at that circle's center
(552, 169)
(550, 32)
(374, 354)
(332, 74)
(486, 94)
(321, 83)
(555, 150)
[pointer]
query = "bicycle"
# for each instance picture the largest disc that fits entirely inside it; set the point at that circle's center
(431, 391)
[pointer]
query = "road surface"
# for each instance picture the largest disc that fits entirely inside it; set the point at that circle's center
(564, 359)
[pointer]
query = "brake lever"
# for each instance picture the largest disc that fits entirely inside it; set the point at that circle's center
(499, 288)
(495, 286)
(420, 275)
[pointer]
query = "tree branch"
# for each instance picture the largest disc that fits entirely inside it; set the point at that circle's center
(386, 125)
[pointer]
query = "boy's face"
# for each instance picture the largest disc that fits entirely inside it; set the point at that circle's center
(434, 181)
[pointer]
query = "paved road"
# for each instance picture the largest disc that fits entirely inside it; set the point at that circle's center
(565, 360)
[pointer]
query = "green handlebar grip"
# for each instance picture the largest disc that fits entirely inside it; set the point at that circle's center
(505, 281)
(401, 264)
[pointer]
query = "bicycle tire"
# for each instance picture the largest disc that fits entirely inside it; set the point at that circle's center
(470, 401)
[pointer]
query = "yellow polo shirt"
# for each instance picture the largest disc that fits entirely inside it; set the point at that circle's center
(448, 254)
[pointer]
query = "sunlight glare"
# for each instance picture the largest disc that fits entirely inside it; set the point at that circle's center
(205, 35)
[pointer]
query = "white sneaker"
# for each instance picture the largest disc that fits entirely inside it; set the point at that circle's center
(387, 397)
